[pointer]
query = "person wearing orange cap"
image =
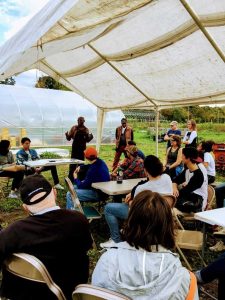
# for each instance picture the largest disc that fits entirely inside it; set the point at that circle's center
(97, 172)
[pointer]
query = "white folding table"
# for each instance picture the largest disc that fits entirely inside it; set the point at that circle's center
(212, 217)
(113, 188)
(52, 162)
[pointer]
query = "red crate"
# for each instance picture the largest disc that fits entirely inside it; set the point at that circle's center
(219, 152)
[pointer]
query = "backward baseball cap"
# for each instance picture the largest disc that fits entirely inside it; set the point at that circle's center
(33, 185)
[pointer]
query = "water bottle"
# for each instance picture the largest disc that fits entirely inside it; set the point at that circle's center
(119, 177)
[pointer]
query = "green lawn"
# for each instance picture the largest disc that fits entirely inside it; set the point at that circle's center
(11, 210)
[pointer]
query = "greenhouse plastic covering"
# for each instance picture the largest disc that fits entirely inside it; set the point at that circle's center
(121, 53)
(45, 115)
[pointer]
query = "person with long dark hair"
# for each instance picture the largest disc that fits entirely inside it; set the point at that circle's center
(205, 147)
(9, 169)
(173, 164)
(144, 267)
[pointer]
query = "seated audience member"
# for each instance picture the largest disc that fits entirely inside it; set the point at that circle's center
(220, 202)
(220, 195)
(173, 162)
(97, 172)
(139, 152)
(27, 154)
(9, 169)
(144, 267)
(171, 133)
(215, 270)
(208, 160)
(58, 237)
(192, 197)
(157, 182)
(132, 166)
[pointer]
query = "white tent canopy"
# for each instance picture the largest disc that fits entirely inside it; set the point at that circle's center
(127, 53)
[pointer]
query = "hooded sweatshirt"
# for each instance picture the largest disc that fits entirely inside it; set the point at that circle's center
(142, 275)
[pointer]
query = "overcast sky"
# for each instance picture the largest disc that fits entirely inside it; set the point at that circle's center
(13, 15)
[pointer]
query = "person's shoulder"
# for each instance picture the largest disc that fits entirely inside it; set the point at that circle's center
(166, 177)
(70, 215)
(20, 151)
(207, 155)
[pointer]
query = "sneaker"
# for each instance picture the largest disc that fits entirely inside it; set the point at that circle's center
(198, 276)
(220, 232)
(218, 247)
(58, 187)
(110, 243)
(13, 195)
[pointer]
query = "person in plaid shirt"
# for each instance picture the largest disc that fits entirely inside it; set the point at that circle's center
(133, 166)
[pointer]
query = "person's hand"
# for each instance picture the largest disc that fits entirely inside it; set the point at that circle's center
(130, 202)
(38, 170)
(114, 174)
(184, 184)
(127, 198)
(75, 174)
(175, 191)
(77, 170)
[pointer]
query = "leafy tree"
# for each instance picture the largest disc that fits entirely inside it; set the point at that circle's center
(8, 81)
(47, 82)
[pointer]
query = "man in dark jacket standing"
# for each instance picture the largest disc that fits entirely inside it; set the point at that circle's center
(59, 238)
(80, 136)
(124, 134)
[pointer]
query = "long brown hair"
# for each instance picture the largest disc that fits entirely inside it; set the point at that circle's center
(150, 222)
(193, 124)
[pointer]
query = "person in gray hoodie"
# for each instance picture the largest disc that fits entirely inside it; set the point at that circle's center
(142, 267)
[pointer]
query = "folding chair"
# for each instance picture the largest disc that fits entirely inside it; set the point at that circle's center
(90, 292)
(210, 203)
(29, 267)
(90, 212)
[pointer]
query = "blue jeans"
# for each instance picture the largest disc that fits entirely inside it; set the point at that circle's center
(113, 212)
(216, 270)
(83, 195)
(220, 195)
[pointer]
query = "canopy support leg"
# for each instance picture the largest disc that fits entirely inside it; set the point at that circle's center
(100, 125)
(156, 131)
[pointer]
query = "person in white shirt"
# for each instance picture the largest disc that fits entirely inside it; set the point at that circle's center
(192, 196)
(157, 182)
(208, 160)
(190, 137)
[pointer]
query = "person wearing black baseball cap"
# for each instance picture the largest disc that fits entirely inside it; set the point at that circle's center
(192, 197)
(59, 238)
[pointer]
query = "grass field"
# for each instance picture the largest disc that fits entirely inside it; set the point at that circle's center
(10, 210)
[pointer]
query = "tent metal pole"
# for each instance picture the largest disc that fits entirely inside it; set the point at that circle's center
(100, 123)
(198, 22)
(123, 75)
(157, 131)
